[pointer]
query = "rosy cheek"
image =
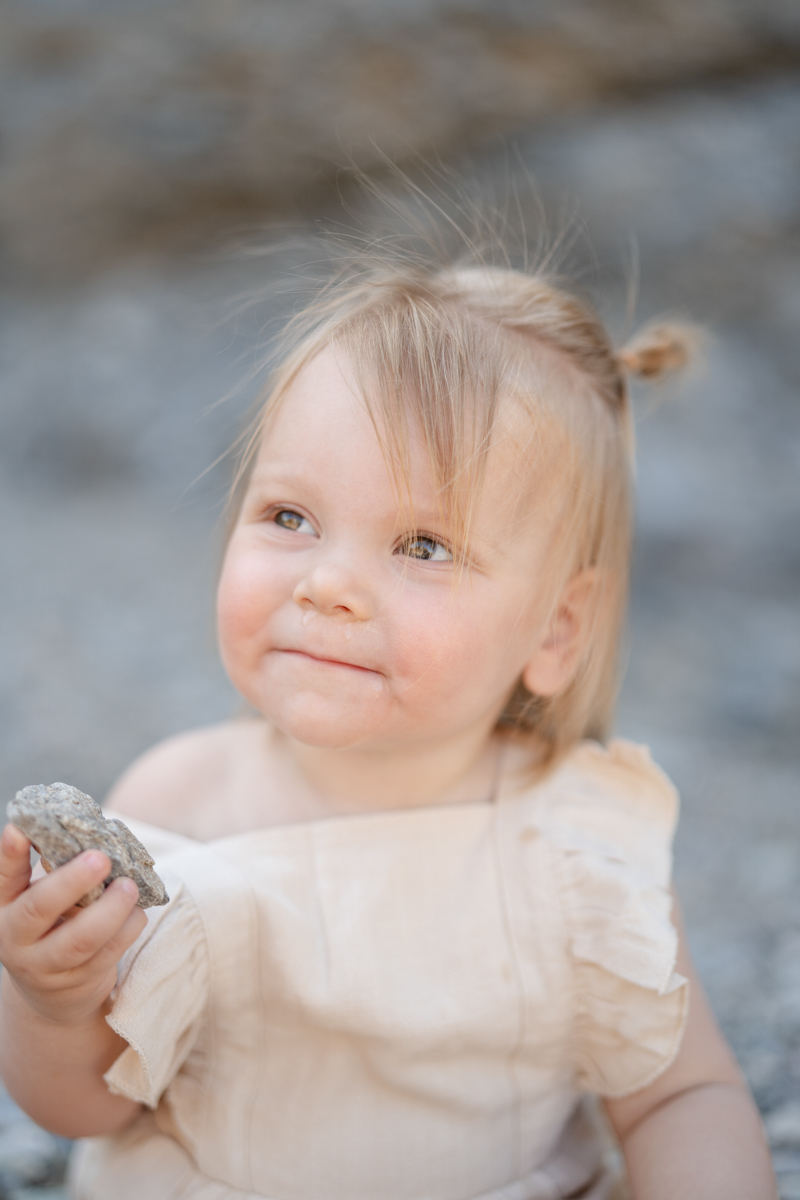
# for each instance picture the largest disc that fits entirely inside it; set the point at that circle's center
(239, 597)
(430, 635)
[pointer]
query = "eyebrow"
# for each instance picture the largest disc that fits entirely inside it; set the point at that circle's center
(269, 471)
(426, 517)
(277, 476)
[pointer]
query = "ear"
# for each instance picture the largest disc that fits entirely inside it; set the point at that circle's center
(556, 656)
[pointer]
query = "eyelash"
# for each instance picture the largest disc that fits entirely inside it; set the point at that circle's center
(415, 539)
(279, 512)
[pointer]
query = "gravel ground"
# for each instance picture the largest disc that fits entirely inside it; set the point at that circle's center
(110, 542)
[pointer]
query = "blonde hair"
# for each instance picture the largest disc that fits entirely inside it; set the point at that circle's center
(436, 348)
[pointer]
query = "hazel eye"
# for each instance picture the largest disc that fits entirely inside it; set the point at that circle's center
(287, 518)
(426, 548)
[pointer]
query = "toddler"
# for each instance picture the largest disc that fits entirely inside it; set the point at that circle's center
(420, 910)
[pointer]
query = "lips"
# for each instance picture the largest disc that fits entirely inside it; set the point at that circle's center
(326, 660)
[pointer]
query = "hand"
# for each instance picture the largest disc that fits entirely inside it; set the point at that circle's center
(63, 959)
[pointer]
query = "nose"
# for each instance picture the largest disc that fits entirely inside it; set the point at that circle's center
(333, 589)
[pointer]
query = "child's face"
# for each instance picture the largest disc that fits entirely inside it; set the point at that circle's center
(338, 620)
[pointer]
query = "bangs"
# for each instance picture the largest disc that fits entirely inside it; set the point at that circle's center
(450, 361)
(431, 379)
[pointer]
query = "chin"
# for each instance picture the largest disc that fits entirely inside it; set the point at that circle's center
(326, 727)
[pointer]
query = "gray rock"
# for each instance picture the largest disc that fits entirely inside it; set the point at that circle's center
(59, 1192)
(60, 821)
(126, 126)
(783, 1124)
(28, 1154)
(790, 1186)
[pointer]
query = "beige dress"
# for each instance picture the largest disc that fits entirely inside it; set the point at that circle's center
(401, 1005)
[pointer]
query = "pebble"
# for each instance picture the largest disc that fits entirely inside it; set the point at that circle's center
(104, 640)
(28, 1154)
(789, 1186)
(59, 1192)
(32, 1161)
(783, 1124)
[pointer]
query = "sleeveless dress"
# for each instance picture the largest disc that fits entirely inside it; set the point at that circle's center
(403, 1005)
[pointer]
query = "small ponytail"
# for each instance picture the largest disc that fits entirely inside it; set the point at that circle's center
(658, 350)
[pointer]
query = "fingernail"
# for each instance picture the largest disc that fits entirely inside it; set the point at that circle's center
(96, 860)
(128, 887)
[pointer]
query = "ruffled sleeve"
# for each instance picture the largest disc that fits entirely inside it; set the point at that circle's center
(161, 993)
(612, 828)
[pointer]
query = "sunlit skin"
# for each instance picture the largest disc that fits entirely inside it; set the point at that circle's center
(347, 623)
(377, 675)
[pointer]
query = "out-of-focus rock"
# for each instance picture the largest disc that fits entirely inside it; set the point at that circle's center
(127, 126)
(61, 822)
(28, 1154)
(783, 1124)
(32, 1161)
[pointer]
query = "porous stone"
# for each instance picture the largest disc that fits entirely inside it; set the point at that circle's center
(60, 822)
(128, 126)
(28, 1154)
(783, 1124)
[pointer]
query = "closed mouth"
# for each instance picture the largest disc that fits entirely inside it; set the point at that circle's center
(332, 662)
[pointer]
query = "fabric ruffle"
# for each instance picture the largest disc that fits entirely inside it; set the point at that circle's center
(161, 993)
(612, 828)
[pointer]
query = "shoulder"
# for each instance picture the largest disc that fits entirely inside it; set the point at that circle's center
(168, 784)
(612, 802)
(626, 771)
(619, 795)
(607, 816)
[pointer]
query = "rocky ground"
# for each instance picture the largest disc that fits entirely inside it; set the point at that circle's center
(126, 124)
(111, 530)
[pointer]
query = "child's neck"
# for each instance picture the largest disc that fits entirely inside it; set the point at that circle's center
(462, 770)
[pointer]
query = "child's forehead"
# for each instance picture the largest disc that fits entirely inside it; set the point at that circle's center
(331, 379)
(330, 385)
(331, 414)
(323, 383)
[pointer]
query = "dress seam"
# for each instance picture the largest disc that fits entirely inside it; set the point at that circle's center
(206, 1012)
(257, 920)
(313, 855)
(522, 1025)
(559, 905)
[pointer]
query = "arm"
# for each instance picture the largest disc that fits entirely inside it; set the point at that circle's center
(55, 1044)
(60, 970)
(695, 1134)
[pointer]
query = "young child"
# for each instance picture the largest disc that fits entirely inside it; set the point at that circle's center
(419, 910)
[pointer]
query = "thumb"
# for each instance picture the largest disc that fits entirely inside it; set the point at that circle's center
(15, 864)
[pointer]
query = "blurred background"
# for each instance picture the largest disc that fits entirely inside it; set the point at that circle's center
(140, 139)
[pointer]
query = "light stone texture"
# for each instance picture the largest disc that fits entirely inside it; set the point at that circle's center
(129, 127)
(111, 531)
(27, 1153)
(783, 1125)
(32, 1161)
(61, 822)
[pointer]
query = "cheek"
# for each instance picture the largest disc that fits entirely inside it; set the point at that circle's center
(455, 646)
(245, 598)
(437, 641)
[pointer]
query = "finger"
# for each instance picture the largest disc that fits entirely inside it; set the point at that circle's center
(110, 954)
(79, 940)
(15, 863)
(38, 908)
(103, 967)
